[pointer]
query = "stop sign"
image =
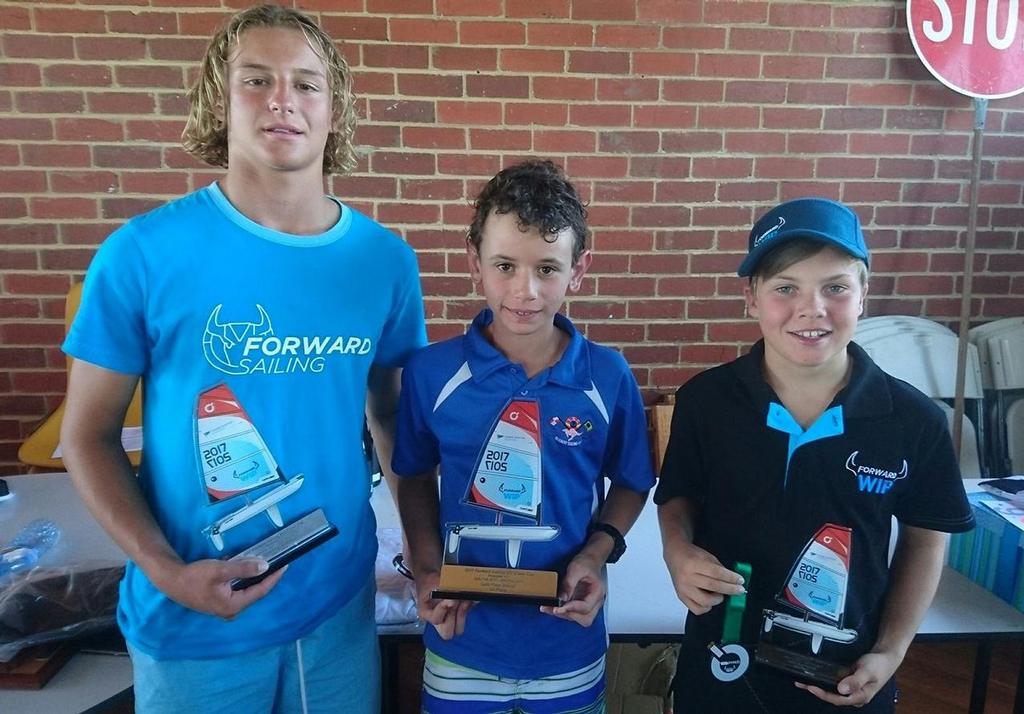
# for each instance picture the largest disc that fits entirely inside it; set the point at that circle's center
(975, 47)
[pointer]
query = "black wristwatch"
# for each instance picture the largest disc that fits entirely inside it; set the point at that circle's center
(620, 542)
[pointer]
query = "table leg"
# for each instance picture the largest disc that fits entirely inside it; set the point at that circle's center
(1018, 699)
(979, 687)
(388, 673)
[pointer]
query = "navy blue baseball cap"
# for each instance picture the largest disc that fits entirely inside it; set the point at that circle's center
(818, 219)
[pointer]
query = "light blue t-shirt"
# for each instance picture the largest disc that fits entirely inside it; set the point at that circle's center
(194, 296)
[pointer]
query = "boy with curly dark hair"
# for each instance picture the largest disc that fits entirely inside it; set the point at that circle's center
(521, 405)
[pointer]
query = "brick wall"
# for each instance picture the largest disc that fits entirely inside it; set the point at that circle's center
(680, 120)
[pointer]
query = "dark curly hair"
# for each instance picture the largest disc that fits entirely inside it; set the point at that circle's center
(541, 196)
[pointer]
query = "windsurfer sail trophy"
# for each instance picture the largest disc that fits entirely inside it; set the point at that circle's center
(816, 590)
(508, 481)
(236, 463)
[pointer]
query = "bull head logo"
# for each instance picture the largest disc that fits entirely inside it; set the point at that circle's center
(852, 467)
(221, 338)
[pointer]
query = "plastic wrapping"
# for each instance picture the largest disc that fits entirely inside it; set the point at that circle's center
(46, 604)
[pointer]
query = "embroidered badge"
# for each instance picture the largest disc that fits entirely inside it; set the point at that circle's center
(570, 430)
(872, 479)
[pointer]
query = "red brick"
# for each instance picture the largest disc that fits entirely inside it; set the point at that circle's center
(85, 233)
(20, 75)
(403, 213)
(906, 168)
(400, 7)
(668, 11)
(878, 16)
(106, 49)
(816, 93)
(35, 284)
(468, 165)
(597, 62)
(548, 140)
(402, 110)
(50, 102)
(666, 309)
(627, 36)
(119, 157)
(735, 11)
(827, 42)
(62, 207)
(569, 88)
(143, 23)
(432, 190)
(433, 137)
(727, 308)
(149, 76)
(699, 37)
(28, 233)
(656, 216)
(19, 259)
(667, 116)
(629, 142)
(783, 167)
(373, 83)
(755, 92)
(77, 75)
(538, 8)
(691, 141)
(347, 27)
(120, 102)
(422, 30)
(38, 46)
(473, 32)
(498, 85)
(755, 142)
(160, 183)
(499, 140)
(469, 8)
(180, 49)
(15, 18)
(536, 113)
(759, 39)
(402, 163)
(846, 167)
(517, 60)
(725, 167)
(623, 192)
(855, 68)
(79, 22)
(22, 182)
(154, 130)
(559, 34)
(794, 67)
(403, 56)
(600, 114)
(378, 135)
(879, 144)
(916, 119)
(477, 113)
(17, 129)
(54, 154)
(853, 118)
(729, 117)
(628, 90)
(467, 58)
(817, 143)
(693, 90)
(686, 286)
(430, 85)
(686, 191)
(728, 65)
(597, 166)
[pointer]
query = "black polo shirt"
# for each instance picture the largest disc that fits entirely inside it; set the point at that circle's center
(763, 487)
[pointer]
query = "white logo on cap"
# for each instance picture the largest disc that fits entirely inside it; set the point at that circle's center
(757, 241)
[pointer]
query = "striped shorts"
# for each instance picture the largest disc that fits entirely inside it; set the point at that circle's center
(449, 688)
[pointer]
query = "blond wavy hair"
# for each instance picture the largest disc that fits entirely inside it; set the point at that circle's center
(206, 135)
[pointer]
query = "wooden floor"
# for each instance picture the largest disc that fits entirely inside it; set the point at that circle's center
(934, 679)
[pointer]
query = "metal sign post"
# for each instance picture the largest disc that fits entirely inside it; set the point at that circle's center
(974, 47)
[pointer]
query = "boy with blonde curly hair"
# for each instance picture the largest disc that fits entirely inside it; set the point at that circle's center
(250, 296)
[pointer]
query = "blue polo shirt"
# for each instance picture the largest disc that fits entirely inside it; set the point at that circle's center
(592, 427)
(763, 487)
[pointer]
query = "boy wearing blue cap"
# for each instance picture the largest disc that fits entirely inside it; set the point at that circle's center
(792, 461)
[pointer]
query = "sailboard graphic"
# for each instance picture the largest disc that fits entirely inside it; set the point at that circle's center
(816, 587)
(236, 461)
(508, 479)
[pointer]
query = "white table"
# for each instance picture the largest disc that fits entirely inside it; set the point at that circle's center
(87, 680)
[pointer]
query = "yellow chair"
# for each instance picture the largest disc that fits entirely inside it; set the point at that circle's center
(41, 447)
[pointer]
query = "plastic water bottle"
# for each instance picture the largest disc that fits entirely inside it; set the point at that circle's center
(28, 546)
